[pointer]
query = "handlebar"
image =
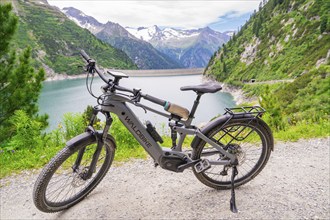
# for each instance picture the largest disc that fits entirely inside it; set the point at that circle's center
(92, 65)
(84, 55)
(154, 99)
(170, 107)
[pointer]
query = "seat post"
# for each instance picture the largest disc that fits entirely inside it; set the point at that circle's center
(196, 103)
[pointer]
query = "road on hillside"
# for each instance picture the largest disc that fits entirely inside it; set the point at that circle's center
(270, 81)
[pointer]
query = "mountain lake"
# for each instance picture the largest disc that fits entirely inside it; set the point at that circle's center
(71, 95)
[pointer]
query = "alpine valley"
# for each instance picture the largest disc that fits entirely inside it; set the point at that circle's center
(144, 55)
(284, 49)
(153, 48)
(56, 41)
(192, 48)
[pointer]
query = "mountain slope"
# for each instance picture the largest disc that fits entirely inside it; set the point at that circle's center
(144, 55)
(56, 40)
(282, 40)
(191, 48)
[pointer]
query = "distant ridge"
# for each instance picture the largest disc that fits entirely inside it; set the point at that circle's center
(191, 48)
(56, 40)
(153, 48)
(143, 54)
(284, 39)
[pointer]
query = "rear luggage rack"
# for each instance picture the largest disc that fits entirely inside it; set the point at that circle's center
(253, 111)
(238, 133)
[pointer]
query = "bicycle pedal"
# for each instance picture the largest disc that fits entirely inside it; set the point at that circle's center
(202, 165)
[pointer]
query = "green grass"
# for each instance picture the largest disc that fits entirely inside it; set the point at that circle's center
(304, 130)
(16, 159)
(251, 90)
(36, 158)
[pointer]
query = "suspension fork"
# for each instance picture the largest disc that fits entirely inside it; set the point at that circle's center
(100, 139)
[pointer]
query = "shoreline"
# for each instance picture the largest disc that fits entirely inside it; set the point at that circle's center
(133, 73)
(237, 93)
(59, 77)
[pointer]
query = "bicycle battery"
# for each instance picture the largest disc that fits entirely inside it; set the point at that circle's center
(154, 134)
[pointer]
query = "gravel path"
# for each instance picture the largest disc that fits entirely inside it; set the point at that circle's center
(293, 185)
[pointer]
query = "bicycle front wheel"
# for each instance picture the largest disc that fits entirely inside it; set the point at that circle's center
(250, 140)
(62, 184)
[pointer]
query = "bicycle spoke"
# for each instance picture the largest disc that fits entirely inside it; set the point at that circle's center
(242, 140)
(66, 183)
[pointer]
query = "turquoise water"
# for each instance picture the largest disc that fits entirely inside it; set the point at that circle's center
(59, 97)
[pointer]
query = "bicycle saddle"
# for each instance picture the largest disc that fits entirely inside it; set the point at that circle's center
(203, 88)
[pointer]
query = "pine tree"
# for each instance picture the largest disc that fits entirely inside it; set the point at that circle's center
(224, 68)
(8, 24)
(20, 84)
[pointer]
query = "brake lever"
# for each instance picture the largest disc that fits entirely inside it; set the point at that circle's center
(137, 94)
(136, 99)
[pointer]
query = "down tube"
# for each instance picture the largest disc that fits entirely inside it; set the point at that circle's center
(138, 130)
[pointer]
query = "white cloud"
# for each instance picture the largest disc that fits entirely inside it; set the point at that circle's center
(182, 14)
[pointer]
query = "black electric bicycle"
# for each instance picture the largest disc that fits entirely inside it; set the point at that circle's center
(226, 153)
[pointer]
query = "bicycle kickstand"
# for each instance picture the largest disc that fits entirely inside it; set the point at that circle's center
(233, 207)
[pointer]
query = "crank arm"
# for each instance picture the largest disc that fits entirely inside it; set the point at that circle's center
(187, 165)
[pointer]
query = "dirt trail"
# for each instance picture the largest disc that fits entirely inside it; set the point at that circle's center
(293, 185)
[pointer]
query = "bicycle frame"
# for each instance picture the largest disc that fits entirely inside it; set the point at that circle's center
(116, 103)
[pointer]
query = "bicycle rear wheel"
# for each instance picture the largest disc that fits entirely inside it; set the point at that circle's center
(60, 185)
(252, 145)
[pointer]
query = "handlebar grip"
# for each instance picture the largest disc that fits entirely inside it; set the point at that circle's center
(170, 107)
(85, 55)
(155, 100)
(88, 59)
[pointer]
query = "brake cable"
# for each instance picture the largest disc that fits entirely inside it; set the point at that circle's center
(89, 88)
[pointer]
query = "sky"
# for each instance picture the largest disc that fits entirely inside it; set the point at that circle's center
(220, 15)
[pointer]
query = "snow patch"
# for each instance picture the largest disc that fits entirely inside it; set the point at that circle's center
(75, 20)
(143, 33)
(148, 33)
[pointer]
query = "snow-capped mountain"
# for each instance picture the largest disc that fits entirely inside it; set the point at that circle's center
(155, 48)
(154, 33)
(144, 33)
(192, 48)
(83, 20)
(143, 54)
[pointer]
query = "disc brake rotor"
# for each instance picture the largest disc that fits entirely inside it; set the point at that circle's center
(78, 177)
